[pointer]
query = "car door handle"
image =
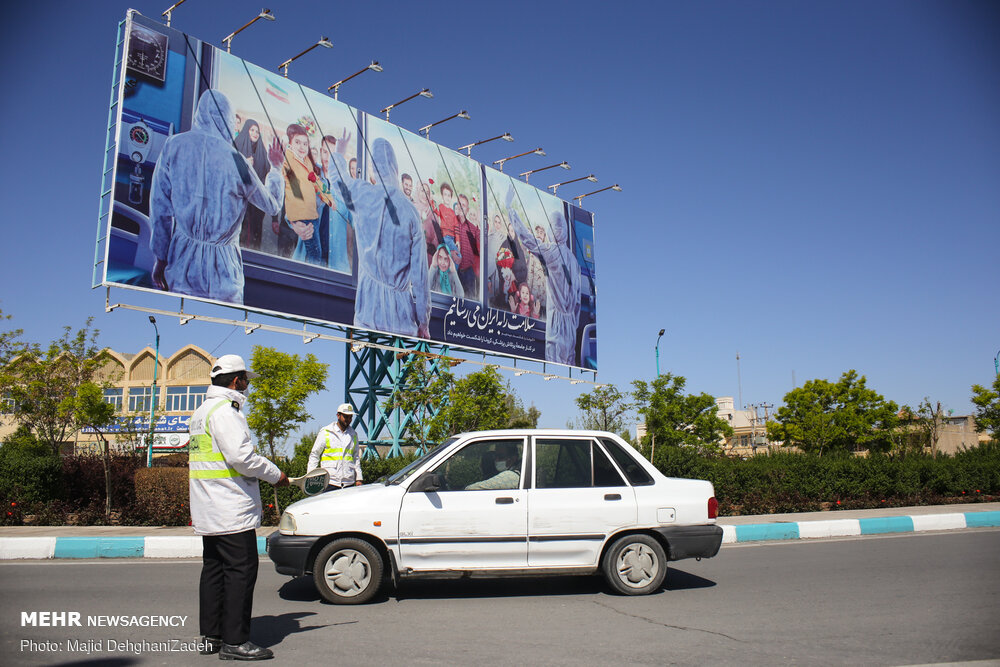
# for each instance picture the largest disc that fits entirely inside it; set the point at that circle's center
(505, 501)
(612, 496)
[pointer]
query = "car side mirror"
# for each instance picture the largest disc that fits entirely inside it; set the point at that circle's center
(426, 483)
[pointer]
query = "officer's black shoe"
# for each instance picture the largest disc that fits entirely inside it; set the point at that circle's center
(210, 645)
(245, 651)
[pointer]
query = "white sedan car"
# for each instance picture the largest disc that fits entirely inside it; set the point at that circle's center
(502, 503)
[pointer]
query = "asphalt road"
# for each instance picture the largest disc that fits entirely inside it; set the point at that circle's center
(887, 600)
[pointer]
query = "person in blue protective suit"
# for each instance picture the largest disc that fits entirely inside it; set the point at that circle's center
(201, 189)
(392, 291)
(564, 280)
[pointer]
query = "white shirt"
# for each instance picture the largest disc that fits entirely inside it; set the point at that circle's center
(229, 504)
(347, 470)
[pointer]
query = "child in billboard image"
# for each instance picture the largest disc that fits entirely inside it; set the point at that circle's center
(442, 276)
(526, 304)
(467, 236)
(302, 188)
(502, 238)
(563, 282)
(201, 189)
(449, 221)
(426, 209)
(392, 294)
(341, 233)
(251, 146)
(507, 289)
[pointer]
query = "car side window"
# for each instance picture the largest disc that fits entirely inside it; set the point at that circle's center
(636, 474)
(562, 464)
(483, 465)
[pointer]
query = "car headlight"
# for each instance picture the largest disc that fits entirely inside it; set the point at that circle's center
(287, 523)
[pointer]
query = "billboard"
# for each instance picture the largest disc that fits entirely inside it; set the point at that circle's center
(236, 186)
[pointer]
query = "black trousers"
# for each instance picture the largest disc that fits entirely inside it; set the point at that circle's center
(228, 577)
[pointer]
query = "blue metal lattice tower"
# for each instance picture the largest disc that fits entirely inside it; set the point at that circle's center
(376, 366)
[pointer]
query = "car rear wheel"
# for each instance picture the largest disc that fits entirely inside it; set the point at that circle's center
(348, 571)
(635, 565)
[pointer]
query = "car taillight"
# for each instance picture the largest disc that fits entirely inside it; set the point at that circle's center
(713, 508)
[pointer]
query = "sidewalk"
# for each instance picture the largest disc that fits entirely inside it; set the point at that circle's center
(43, 542)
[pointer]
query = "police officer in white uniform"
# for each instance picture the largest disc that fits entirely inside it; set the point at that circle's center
(226, 510)
(336, 449)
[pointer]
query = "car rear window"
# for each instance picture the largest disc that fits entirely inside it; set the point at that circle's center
(636, 474)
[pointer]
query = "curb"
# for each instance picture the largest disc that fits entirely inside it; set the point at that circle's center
(805, 530)
(17, 548)
(185, 546)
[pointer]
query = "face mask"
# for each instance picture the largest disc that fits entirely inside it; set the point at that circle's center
(501, 465)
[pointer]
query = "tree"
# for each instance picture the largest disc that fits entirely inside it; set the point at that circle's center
(475, 402)
(987, 404)
(604, 409)
(89, 409)
(42, 383)
(421, 395)
(276, 404)
(675, 418)
(519, 416)
(843, 416)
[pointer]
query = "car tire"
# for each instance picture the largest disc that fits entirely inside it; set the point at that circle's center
(348, 571)
(635, 565)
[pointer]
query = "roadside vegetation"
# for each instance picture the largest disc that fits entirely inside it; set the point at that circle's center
(843, 445)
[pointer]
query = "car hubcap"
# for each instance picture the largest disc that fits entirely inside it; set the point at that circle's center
(348, 573)
(637, 565)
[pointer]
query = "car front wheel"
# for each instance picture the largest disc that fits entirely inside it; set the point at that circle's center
(348, 571)
(635, 565)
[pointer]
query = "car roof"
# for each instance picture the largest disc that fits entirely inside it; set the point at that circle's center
(543, 432)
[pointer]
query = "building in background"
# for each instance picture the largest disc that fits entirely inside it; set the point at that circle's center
(182, 381)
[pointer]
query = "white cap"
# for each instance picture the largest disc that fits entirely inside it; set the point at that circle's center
(345, 409)
(231, 363)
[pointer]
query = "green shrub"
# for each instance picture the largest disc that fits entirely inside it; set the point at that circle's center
(161, 498)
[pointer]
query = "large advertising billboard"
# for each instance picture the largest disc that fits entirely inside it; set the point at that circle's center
(237, 186)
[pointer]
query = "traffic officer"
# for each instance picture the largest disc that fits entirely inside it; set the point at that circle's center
(336, 449)
(226, 510)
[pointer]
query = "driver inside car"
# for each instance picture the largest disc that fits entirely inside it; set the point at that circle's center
(508, 475)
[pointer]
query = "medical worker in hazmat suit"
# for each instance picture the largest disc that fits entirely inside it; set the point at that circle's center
(201, 189)
(392, 291)
(564, 280)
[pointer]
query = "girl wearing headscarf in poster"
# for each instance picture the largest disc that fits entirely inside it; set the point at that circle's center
(201, 189)
(564, 280)
(392, 293)
(442, 276)
(251, 146)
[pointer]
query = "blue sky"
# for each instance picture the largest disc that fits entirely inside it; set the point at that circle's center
(814, 185)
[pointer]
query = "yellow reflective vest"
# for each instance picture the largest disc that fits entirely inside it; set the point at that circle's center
(337, 451)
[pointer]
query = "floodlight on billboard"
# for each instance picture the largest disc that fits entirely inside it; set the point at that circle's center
(236, 186)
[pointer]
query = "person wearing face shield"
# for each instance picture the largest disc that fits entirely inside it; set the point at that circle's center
(226, 511)
(507, 463)
(564, 282)
(202, 187)
(392, 293)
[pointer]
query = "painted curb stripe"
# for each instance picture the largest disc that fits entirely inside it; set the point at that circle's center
(833, 528)
(767, 531)
(99, 547)
(14, 548)
(982, 519)
(938, 522)
(888, 524)
(181, 546)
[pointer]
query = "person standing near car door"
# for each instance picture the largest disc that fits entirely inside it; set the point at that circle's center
(336, 450)
(226, 510)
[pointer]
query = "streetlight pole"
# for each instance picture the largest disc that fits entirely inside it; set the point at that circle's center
(152, 404)
(660, 335)
(996, 363)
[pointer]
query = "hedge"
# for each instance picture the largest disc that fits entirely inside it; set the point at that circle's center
(56, 491)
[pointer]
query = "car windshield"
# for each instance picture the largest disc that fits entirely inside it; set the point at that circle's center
(401, 475)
